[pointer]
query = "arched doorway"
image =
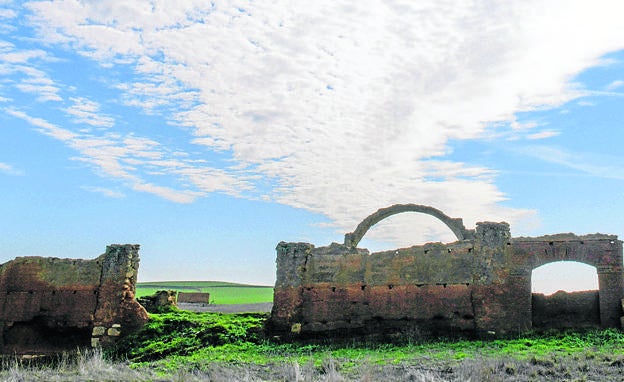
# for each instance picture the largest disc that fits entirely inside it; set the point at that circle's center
(568, 276)
(565, 294)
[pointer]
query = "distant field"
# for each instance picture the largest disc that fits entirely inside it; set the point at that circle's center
(220, 292)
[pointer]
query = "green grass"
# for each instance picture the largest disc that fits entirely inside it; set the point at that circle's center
(199, 341)
(186, 346)
(220, 292)
(213, 346)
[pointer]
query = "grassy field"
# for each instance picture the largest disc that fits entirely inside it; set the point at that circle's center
(208, 342)
(220, 292)
(186, 346)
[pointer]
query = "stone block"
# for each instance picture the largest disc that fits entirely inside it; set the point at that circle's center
(98, 331)
(114, 332)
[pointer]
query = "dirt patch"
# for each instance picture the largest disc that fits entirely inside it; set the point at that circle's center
(263, 307)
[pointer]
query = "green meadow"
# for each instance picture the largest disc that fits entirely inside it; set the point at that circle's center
(220, 292)
(215, 346)
(186, 346)
(178, 345)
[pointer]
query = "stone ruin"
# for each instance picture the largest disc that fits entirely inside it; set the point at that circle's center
(193, 297)
(49, 305)
(164, 300)
(479, 284)
(160, 301)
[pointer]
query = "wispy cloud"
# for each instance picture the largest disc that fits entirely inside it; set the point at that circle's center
(105, 191)
(131, 159)
(7, 13)
(341, 107)
(543, 134)
(28, 78)
(586, 103)
(586, 163)
(615, 85)
(85, 111)
(44, 126)
(44, 90)
(10, 170)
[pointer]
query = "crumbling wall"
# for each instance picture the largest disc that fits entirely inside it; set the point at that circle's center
(51, 304)
(159, 301)
(479, 284)
(433, 286)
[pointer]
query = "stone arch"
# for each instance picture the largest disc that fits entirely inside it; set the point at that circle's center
(600, 251)
(604, 252)
(455, 224)
(561, 307)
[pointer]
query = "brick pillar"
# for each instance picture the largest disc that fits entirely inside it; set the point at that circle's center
(494, 294)
(292, 263)
(611, 288)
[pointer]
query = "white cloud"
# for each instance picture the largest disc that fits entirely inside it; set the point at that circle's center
(105, 191)
(515, 125)
(44, 126)
(345, 107)
(44, 92)
(130, 159)
(9, 55)
(33, 80)
(543, 134)
(585, 103)
(615, 85)
(586, 163)
(87, 112)
(178, 196)
(7, 13)
(10, 170)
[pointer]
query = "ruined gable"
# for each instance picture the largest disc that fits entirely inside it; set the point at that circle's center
(52, 304)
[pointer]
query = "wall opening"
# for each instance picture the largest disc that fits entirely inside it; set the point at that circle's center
(565, 295)
(405, 230)
(567, 276)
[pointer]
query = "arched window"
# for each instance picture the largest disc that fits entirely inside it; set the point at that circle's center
(569, 276)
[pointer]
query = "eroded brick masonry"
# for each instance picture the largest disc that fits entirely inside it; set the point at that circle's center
(51, 304)
(481, 283)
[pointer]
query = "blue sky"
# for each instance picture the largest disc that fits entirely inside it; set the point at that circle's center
(209, 132)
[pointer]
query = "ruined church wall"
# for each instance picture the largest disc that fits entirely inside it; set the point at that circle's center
(194, 297)
(49, 304)
(481, 285)
(433, 286)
